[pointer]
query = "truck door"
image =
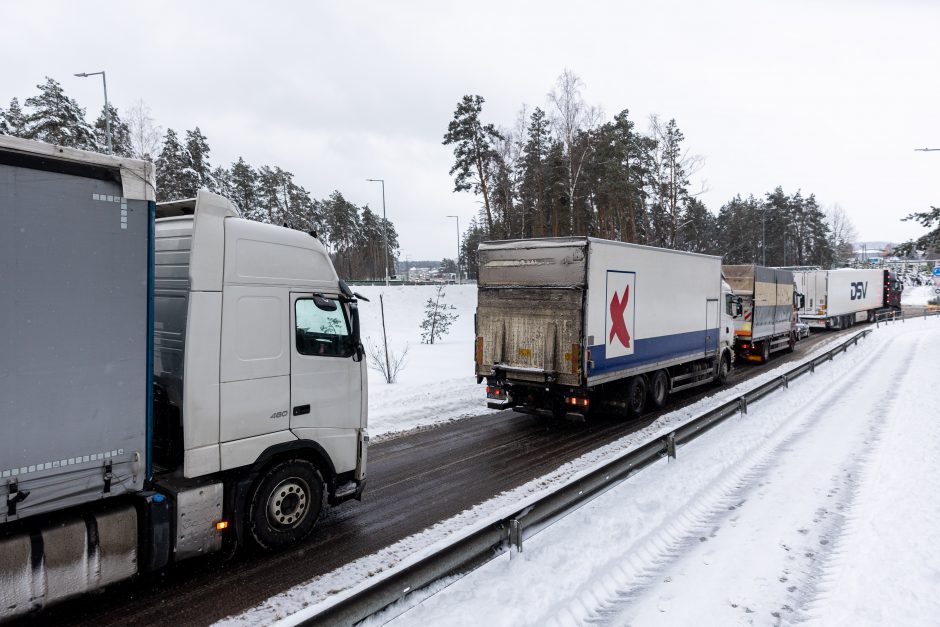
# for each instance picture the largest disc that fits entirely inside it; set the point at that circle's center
(325, 381)
(712, 323)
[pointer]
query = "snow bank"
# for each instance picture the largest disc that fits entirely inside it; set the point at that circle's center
(437, 383)
(917, 296)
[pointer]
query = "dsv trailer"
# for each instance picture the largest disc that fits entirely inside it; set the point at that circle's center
(172, 377)
(837, 299)
(566, 326)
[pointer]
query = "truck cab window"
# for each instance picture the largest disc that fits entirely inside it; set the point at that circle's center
(322, 328)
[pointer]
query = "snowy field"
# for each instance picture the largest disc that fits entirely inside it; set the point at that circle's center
(437, 383)
(819, 506)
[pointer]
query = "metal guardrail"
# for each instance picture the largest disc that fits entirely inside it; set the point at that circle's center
(509, 532)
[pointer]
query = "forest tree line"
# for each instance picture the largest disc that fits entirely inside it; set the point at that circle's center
(354, 235)
(563, 169)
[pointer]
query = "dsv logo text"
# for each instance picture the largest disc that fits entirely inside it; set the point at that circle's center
(859, 289)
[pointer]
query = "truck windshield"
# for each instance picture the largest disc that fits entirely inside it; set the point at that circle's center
(321, 332)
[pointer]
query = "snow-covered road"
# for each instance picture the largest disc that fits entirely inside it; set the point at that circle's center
(820, 505)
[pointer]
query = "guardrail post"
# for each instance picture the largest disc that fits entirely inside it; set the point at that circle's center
(742, 402)
(812, 366)
(671, 445)
(515, 537)
(786, 382)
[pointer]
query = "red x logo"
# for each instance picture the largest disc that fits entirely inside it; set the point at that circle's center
(618, 326)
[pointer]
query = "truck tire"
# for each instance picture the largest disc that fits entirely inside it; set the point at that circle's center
(636, 395)
(659, 388)
(724, 369)
(285, 504)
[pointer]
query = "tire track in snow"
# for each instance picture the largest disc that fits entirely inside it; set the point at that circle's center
(845, 520)
(603, 600)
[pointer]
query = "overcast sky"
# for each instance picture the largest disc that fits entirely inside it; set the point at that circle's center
(827, 97)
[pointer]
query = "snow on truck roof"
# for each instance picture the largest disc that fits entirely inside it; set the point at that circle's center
(137, 178)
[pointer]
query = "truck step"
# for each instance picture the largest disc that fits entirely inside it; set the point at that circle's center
(345, 490)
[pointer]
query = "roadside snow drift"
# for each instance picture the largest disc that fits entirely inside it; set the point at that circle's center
(437, 382)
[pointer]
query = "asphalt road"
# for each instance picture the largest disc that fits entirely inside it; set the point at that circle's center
(414, 482)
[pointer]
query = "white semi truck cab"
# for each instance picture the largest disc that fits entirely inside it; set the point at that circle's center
(173, 378)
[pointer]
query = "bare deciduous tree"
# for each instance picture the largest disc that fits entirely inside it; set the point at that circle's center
(390, 369)
(145, 133)
(842, 234)
(572, 118)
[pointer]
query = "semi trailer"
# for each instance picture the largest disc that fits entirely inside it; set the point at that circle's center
(837, 299)
(573, 325)
(173, 378)
(769, 302)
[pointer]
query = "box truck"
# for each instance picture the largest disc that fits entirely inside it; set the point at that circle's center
(769, 303)
(172, 377)
(837, 299)
(567, 326)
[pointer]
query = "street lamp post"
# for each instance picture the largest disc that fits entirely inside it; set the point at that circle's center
(457, 259)
(384, 225)
(763, 237)
(107, 110)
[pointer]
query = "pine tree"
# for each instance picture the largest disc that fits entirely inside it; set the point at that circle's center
(243, 186)
(474, 152)
(438, 317)
(120, 134)
(927, 243)
(57, 119)
(533, 194)
(13, 121)
(197, 172)
(171, 164)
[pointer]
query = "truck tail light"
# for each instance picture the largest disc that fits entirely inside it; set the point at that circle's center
(222, 524)
(494, 391)
(577, 401)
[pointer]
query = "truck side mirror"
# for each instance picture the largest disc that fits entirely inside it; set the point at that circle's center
(359, 349)
(738, 308)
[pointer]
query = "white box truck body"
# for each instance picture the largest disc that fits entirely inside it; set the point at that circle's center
(566, 322)
(167, 372)
(839, 298)
(768, 320)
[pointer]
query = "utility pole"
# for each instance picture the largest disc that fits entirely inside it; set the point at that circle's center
(384, 225)
(107, 109)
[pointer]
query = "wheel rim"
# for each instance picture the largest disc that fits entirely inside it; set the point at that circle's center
(288, 503)
(637, 399)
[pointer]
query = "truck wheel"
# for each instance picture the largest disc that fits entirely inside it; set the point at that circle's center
(285, 504)
(724, 369)
(765, 352)
(636, 395)
(659, 388)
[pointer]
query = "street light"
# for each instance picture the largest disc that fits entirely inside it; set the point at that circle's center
(107, 111)
(457, 259)
(384, 225)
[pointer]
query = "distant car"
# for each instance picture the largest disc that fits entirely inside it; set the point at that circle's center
(802, 330)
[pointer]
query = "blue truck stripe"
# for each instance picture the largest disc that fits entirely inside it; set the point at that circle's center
(653, 350)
